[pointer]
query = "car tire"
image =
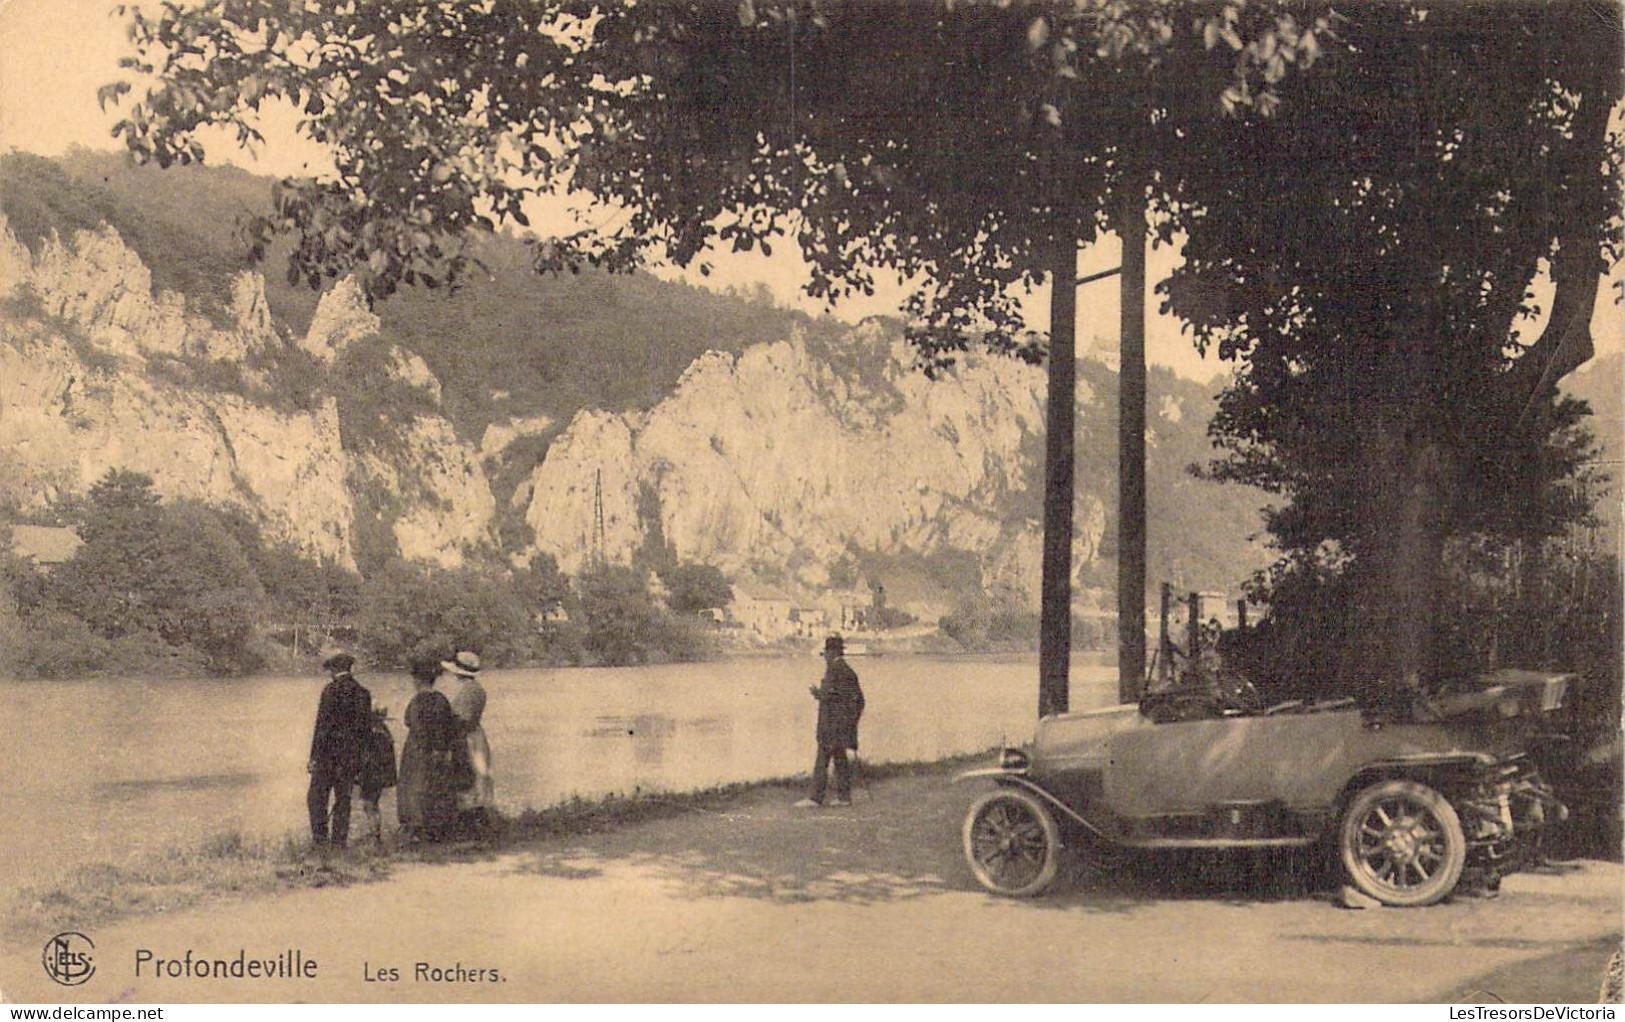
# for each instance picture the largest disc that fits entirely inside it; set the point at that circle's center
(1401, 843)
(1012, 843)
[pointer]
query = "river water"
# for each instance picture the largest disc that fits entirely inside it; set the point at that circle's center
(106, 770)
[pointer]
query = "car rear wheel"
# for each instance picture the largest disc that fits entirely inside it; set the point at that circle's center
(1402, 843)
(1012, 843)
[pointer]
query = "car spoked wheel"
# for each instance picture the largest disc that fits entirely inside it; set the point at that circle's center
(1402, 843)
(1012, 843)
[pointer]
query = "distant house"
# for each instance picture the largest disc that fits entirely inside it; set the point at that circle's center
(713, 615)
(809, 621)
(847, 610)
(553, 615)
(763, 610)
(46, 545)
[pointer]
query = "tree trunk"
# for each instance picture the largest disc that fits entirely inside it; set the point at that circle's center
(1400, 572)
(1055, 628)
(1131, 451)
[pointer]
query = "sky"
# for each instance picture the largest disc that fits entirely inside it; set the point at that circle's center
(54, 54)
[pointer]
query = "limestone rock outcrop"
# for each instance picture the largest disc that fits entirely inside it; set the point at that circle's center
(778, 457)
(342, 317)
(87, 384)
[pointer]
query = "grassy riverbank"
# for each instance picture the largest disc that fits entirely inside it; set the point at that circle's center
(232, 865)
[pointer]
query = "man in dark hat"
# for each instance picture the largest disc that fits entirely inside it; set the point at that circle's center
(840, 704)
(337, 750)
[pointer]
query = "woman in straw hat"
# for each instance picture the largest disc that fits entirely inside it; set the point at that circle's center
(468, 702)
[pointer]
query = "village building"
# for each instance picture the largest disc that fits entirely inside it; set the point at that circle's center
(764, 610)
(847, 610)
(810, 621)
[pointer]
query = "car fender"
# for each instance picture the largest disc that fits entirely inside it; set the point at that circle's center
(1019, 778)
(1422, 767)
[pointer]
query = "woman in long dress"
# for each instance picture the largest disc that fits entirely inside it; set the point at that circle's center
(426, 795)
(477, 801)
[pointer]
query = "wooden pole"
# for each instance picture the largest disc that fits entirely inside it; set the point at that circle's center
(1164, 651)
(1055, 628)
(1193, 626)
(1131, 557)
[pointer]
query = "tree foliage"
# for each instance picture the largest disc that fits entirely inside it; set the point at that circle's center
(171, 572)
(1360, 239)
(696, 587)
(707, 122)
(1372, 274)
(409, 609)
(622, 624)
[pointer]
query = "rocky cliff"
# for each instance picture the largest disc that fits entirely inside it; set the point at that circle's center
(97, 371)
(779, 458)
(781, 461)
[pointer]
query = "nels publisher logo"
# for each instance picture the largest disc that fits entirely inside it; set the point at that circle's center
(69, 958)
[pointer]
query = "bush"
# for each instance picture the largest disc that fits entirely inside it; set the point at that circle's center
(695, 587)
(58, 645)
(170, 571)
(407, 609)
(979, 625)
(622, 624)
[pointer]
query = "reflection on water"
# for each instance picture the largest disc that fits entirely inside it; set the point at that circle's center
(107, 769)
(121, 790)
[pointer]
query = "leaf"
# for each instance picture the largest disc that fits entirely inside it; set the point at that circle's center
(1309, 48)
(747, 13)
(1052, 116)
(1038, 33)
(111, 92)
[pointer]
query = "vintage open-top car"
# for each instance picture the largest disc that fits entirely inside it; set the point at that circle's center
(1406, 805)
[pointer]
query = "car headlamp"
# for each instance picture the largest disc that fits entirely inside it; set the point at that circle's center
(1013, 759)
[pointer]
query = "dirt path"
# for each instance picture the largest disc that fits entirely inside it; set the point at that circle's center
(759, 902)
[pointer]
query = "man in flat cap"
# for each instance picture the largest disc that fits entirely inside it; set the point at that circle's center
(337, 749)
(840, 704)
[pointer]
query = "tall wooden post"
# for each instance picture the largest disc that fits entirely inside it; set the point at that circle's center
(1131, 447)
(1055, 628)
(1165, 654)
(1193, 626)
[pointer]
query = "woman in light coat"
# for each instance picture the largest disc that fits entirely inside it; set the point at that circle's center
(477, 802)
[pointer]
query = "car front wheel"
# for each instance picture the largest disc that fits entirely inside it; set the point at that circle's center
(1012, 843)
(1402, 843)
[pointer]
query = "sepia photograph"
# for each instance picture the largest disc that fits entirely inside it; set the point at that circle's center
(812, 502)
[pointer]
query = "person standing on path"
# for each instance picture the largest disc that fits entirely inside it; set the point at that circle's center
(378, 771)
(477, 802)
(840, 704)
(338, 747)
(426, 799)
